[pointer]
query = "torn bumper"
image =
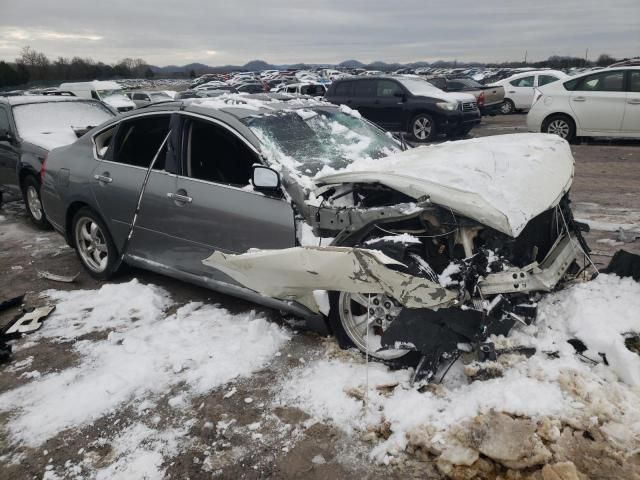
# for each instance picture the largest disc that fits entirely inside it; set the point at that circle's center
(534, 277)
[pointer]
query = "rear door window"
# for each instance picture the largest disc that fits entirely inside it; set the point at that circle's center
(137, 141)
(388, 88)
(365, 88)
(544, 79)
(523, 82)
(602, 82)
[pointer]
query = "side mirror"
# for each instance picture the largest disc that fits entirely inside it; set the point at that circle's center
(5, 135)
(401, 95)
(265, 177)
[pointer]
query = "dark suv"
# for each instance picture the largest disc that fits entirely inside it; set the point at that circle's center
(407, 104)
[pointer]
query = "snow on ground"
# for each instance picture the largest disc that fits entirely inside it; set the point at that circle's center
(554, 385)
(145, 354)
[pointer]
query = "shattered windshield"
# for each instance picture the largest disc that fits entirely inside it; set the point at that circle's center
(312, 139)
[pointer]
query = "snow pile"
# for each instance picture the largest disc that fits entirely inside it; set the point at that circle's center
(554, 388)
(143, 356)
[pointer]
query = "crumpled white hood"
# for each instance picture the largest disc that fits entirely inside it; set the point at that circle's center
(501, 181)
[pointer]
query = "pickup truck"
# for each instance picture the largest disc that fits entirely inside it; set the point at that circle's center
(31, 126)
(488, 98)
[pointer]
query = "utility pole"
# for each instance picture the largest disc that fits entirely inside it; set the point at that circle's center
(525, 56)
(586, 57)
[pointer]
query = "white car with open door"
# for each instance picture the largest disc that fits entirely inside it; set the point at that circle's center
(519, 89)
(605, 103)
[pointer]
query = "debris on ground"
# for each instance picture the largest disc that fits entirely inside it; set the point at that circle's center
(58, 278)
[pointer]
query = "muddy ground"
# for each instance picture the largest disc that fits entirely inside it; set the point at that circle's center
(606, 193)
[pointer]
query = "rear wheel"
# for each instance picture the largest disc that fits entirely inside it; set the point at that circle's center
(94, 245)
(31, 196)
(507, 107)
(560, 125)
(423, 128)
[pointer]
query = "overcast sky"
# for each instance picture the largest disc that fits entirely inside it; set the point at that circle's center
(319, 31)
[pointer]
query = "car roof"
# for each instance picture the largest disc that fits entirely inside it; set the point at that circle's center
(237, 105)
(26, 99)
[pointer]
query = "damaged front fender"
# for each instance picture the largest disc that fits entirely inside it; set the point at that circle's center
(294, 273)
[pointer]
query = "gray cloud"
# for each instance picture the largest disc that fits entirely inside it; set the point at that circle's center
(282, 31)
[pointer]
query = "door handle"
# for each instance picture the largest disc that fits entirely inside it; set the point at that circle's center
(104, 178)
(511, 91)
(634, 101)
(579, 99)
(176, 197)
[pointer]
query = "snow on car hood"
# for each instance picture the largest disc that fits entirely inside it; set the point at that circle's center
(52, 139)
(501, 181)
(117, 101)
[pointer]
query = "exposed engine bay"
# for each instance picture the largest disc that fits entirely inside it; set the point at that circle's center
(495, 277)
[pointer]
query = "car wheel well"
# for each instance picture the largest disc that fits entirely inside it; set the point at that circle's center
(557, 114)
(573, 126)
(68, 219)
(23, 174)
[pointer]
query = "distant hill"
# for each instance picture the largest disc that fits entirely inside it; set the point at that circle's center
(258, 65)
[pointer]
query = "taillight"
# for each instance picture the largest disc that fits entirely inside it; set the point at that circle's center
(481, 98)
(43, 169)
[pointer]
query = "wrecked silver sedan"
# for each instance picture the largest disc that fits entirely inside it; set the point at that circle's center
(305, 207)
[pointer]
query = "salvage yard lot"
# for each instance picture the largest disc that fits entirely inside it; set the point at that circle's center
(149, 377)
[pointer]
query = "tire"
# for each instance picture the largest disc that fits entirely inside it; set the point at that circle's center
(560, 125)
(507, 107)
(423, 128)
(94, 245)
(399, 358)
(31, 197)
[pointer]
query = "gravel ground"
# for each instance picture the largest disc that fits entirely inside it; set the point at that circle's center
(605, 194)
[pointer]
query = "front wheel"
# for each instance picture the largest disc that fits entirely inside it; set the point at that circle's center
(423, 128)
(360, 319)
(560, 125)
(31, 196)
(94, 245)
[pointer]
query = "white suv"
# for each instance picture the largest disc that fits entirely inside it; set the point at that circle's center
(519, 88)
(604, 103)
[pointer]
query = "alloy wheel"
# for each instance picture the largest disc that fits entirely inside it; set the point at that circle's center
(559, 127)
(365, 317)
(91, 244)
(422, 128)
(506, 108)
(33, 202)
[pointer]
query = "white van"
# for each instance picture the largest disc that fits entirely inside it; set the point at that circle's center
(108, 92)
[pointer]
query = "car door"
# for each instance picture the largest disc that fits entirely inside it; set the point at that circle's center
(631, 122)
(212, 206)
(388, 107)
(598, 101)
(121, 169)
(520, 91)
(9, 153)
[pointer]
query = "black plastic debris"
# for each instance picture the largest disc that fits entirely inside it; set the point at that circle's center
(24, 321)
(624, 264)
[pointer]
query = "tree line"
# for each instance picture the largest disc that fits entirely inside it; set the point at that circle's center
(35, 67)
